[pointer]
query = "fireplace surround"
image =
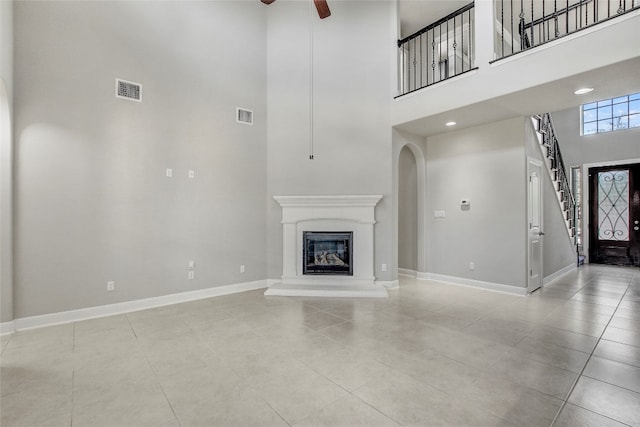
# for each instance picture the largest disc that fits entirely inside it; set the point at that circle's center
(337, 228)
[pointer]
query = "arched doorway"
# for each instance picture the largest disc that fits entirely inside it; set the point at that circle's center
(407, 212)
(410, 205)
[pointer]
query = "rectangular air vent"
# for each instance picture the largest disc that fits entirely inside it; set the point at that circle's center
(244, 116)
(128, 90)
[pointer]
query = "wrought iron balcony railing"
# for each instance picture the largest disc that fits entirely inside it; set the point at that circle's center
(437, 52)
(524, 24)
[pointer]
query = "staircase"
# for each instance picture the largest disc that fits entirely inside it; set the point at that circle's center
(555, 165)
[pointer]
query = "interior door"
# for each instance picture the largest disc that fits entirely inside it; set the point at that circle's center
(534, 219)
(614, 212)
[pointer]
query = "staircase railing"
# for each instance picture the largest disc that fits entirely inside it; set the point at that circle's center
(549, 143)
(438, 51)
(524, 24)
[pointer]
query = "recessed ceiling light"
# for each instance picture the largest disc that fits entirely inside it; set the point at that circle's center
(450, 123)
(583, 90)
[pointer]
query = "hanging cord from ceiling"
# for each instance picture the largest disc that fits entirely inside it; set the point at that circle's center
(311, 148)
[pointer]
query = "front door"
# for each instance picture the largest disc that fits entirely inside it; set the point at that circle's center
(534, 216)
(614, 212)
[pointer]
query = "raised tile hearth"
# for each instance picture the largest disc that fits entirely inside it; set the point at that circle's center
(350, 259)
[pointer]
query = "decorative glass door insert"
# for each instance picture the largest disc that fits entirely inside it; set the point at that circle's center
(613, 205)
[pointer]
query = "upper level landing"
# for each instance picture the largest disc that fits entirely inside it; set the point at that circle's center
(516, 64)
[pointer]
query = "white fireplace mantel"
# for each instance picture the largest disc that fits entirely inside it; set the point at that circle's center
(328, 201)
(328, 213)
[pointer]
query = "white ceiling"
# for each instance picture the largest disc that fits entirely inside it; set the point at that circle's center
(416, 14)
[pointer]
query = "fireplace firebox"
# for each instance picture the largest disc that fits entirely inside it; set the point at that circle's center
(328, 253)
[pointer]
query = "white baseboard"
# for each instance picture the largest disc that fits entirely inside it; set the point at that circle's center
(271, 282)
(7, 328)
(407, 272)
(497, 287)
(389, 284)
(558, 274)
(422, 276)
(127, 307)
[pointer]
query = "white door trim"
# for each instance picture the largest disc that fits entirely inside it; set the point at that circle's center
(534, 281)
(586, 220)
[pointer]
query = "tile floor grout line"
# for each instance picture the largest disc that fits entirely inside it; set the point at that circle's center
(357, 388)
(604, 416)
(373, 407)
(323, 376)
(277, 413)
(573, 386)
(164, 393)
(132, 328)
(6, 344)
(569, 331)
(615, 385)
(155, 374)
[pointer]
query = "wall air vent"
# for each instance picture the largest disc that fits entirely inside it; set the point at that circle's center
(244, 116)
(128, 90)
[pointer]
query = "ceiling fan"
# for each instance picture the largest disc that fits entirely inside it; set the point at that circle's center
(321, 6)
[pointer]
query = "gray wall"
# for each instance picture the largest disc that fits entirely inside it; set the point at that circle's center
(407, 210)
(6, 44)
(599, 148)
(352, 89)
(6, 161)
(93, 203)
(558, 249)
(487, 165)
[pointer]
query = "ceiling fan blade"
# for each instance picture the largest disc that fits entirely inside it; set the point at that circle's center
(323, 8)
(267, 1)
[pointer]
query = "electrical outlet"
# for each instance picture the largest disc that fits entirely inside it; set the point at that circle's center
(384, 267)
(111, 286)
(169, 173)
(191, 275)
(191, 174)
(191, 265)
(242, 269)
(472, 266)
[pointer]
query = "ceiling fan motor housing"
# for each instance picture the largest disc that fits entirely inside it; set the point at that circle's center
(321, 6)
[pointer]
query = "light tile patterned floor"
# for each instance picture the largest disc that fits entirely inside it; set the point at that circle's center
(432, 354)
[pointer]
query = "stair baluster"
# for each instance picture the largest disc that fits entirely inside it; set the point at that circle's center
(558, 170)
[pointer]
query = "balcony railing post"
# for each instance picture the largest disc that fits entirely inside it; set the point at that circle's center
(436, 54)
(532, 41)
